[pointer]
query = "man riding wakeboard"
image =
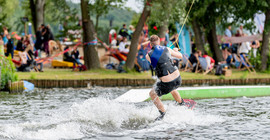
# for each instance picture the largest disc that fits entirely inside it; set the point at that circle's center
(169, 78)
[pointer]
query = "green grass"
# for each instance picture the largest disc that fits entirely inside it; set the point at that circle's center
(112, 74)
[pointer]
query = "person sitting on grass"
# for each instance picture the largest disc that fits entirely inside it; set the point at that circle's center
(75, 56)
(67, 57)
(210, 60)
(27, 61)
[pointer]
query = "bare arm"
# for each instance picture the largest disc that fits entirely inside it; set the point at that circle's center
(148, 58)
(175, 53)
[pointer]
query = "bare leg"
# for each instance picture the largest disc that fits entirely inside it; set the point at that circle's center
(176, 96)
(156, 100)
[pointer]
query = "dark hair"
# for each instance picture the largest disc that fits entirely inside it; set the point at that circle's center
(230, 50)
(205, 53)
(124, 25)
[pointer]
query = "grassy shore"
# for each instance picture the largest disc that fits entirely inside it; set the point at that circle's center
(112, 74)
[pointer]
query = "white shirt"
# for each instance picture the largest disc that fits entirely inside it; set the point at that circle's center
(122, 47)
(245, 47)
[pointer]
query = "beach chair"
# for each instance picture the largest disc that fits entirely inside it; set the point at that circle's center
(237, 61)
(186, 64)
(247, 65)
(203, 65)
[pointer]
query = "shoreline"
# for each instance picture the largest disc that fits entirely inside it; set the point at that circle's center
(88, 83)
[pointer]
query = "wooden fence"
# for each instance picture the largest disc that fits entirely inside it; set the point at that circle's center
(141, 82)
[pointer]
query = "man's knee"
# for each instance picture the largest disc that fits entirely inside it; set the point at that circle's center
(152, 93)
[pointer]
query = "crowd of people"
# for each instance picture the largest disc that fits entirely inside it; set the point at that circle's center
(28, 50)
(230, 52)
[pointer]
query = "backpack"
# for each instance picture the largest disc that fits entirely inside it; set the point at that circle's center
(218, 70)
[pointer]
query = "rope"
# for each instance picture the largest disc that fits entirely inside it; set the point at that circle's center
(176, 41)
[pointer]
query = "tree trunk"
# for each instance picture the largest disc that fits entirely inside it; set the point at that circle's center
(198, 35)
(37, 12)
(96, 27)
(33, 13)
(135, 38)
(91, 59)
(212, 40)
(162, 32)
(265, 42)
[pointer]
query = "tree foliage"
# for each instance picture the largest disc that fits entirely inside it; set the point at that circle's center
(101, 7)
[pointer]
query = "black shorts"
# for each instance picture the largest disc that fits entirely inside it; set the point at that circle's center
(162, 88)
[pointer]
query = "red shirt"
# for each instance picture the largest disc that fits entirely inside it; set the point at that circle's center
(211, 59)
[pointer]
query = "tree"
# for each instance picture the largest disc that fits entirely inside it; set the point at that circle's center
(37, 12)
(135, 38)
(207, 14)
(7, 10)
(172, 11)
(266, 36)
(90, 54)
(243, 11)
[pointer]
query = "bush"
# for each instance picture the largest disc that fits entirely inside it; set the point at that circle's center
(7, 71)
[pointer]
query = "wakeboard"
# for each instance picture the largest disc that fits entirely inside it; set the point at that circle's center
(190, 104)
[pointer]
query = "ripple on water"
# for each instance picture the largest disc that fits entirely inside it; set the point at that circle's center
(92, 113)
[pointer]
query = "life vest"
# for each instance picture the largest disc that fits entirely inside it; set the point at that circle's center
(161, 60)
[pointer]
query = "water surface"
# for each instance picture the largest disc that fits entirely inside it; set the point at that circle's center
(93, 114)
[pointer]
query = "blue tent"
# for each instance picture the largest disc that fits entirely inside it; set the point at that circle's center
(183, 40)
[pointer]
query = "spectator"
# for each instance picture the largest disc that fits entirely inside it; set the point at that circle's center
(167, 38)
(228, 32)
(45, 35)
(51, 36)
(141, 57)
(75, 55)
(31, 60)
(123, 31)
(210, 60)
(38, 43)
(244, 48)
(130, 31)
(123, 46)
(193, 58)
(5, 35)
(119, 39)
(10, 46)
(240, 31)
(67, 57)
(23, 60)
(2, 52)
(225, 46)
(20, 46)
(255, 45)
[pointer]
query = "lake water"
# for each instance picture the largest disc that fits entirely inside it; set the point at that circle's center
(93, 114)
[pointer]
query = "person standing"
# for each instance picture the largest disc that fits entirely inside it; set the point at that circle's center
(51, 36)
(167, 38)
(10, 46)
(225, 46)
(168, 75)
(123, 31)
(38, 43)
(130, 31)
(45, 35)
